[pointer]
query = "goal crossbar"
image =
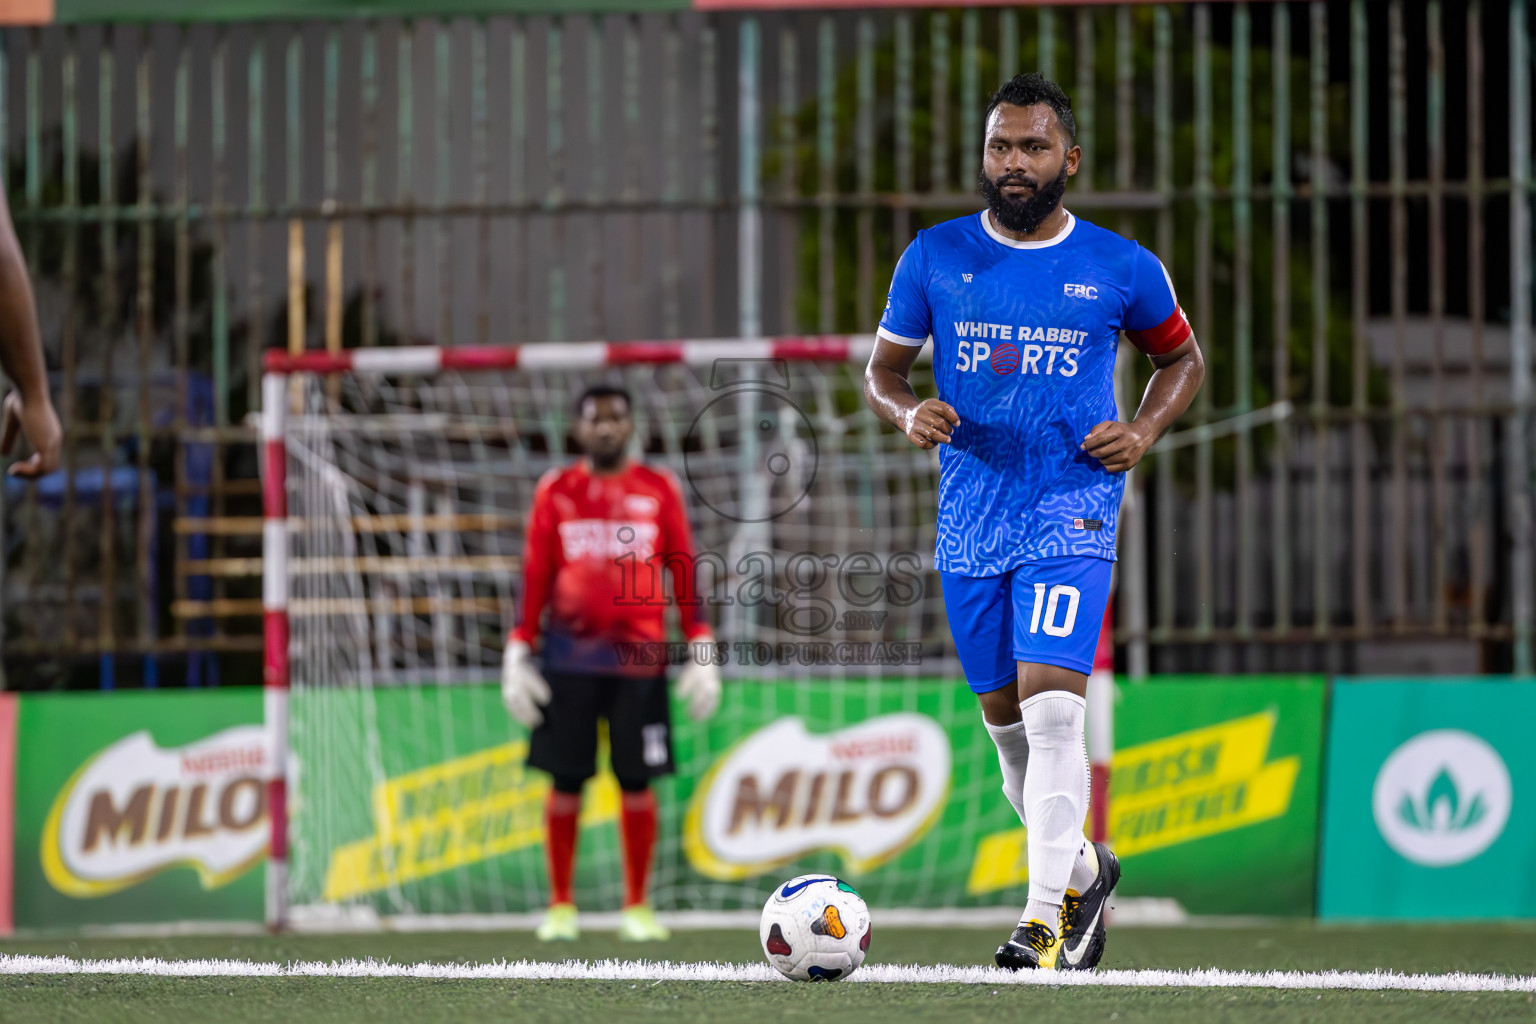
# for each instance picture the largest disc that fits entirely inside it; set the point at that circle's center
(428, 359)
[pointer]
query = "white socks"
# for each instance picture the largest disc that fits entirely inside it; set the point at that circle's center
(1057, 762)
(1012, 756)
(1084, 869)
(1055, 798)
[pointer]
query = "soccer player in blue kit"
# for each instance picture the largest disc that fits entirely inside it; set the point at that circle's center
(1025, 304)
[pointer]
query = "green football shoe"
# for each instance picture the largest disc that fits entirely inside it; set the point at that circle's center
(638, 924)
(559, 924)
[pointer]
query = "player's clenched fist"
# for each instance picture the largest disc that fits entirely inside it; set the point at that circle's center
(1118, 446)
(35, 420)
(523, 689)
(931, 422)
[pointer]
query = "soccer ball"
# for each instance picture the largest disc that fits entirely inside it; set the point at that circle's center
(815, 928)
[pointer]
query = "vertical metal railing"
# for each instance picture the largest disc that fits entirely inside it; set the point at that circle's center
(1520, 476)
(1322, 532)
(1359, 274)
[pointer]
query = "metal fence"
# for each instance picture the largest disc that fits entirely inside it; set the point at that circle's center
(1341, 191)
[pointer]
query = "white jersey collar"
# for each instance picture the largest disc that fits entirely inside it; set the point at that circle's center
(1013, 243)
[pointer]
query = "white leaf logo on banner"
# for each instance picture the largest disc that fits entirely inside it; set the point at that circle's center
(1442, 798)
(135, 809)
(867, 792)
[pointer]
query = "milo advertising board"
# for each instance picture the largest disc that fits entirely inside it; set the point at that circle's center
(139, 807)
(144, 807)
(894, 786)
(865, 792)
(865, 779)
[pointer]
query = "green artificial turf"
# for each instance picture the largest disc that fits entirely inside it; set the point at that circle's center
(1503, 949)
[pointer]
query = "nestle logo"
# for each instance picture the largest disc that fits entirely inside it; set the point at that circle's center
(882, 746)
(1081, 291)
(226, 760)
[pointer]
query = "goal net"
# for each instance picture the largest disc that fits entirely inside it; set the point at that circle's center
(397, 481)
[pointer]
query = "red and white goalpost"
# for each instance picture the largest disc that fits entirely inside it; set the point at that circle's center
(281, 399)
(274, 617)
(393, 484)
(584, 355)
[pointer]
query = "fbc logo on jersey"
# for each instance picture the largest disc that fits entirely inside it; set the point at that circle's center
(1056, 352)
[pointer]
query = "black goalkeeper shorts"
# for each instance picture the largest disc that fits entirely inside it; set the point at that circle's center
(639, 727)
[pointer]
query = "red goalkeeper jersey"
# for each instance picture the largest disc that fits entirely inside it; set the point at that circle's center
(594, 554)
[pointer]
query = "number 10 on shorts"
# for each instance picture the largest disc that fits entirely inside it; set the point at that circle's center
(1049, 603)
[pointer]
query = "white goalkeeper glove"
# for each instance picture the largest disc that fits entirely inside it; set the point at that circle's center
(699, 681)
(523, 689)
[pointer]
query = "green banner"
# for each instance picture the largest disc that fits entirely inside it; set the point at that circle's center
(143, 807)
(893, 785)
(867, 779)
(1215, 792)
(140, 806)
(1429, 811)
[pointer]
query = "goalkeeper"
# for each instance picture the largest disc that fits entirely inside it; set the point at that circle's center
(597, 536)
(1025, 304)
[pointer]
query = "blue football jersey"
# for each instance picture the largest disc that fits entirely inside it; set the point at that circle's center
(1024, 339)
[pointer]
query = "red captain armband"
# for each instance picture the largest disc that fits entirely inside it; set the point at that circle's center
(1165, 337)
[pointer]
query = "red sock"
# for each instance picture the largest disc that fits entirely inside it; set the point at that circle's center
(638, 825)
(560, 813)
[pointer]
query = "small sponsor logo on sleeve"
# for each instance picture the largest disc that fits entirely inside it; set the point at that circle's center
(1087, 524)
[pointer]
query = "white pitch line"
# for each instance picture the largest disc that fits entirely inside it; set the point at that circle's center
(666, 970)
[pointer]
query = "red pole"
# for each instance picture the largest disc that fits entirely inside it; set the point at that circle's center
(8, 716)
(1101, 725)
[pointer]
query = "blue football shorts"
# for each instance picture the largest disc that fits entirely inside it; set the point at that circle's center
(1045, 611)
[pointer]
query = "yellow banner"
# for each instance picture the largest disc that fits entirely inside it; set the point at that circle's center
(454, 813)
(1170, 791)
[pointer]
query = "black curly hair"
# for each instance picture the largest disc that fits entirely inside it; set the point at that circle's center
(1027, 90)
(604, 390)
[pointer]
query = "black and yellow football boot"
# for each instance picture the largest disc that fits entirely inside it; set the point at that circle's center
(1082, 916)
(1033, 944)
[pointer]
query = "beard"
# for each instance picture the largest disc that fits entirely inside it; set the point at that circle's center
(605, 459)
(1023, 214)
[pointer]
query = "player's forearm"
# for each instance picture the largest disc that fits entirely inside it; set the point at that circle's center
(537, 583)
(689, 603)
(535, 597)
(21, 351)
(1170, 391)
(890, 395)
